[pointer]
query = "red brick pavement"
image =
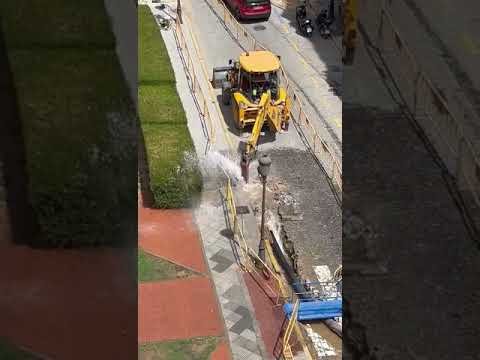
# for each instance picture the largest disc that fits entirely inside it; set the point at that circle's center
(171, 234)
(182, 308)
(177, 309)
(270, 318)
(221, 352)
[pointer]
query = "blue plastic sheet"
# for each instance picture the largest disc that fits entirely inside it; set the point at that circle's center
(316, 310)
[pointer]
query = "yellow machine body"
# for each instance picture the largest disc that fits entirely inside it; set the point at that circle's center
(246, 113)
(259, 62)
(253, 88)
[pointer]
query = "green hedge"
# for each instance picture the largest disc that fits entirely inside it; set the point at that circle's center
(78, 124)
(174, 175)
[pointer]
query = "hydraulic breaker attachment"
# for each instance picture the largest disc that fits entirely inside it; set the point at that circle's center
(251, 145)
(245, 166)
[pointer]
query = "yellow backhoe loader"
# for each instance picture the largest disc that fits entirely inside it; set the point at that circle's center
(252, 87)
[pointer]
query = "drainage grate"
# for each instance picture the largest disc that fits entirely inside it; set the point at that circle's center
(242, 210)
(259, 27)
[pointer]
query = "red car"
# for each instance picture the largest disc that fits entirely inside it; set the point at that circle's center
(250, 9)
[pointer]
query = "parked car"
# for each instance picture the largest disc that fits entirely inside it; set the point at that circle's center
(250, 9)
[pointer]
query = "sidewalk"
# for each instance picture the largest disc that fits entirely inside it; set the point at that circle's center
(177, 317)
(246, 334)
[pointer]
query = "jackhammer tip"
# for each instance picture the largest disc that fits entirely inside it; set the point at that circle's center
(245, 165)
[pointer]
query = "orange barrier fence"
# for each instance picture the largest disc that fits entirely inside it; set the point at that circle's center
(201, 99)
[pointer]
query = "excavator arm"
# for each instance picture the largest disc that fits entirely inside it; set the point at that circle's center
(259, 122)
(251, 144)
(276, 114)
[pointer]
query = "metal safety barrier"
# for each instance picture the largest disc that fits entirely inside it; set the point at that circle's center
(317, 144)
(287, 348)
(428, 107)
(252, 264)
(250, 260)
(200, 98)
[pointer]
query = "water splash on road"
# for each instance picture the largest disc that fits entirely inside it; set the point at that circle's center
(275, 226)
(217, 164)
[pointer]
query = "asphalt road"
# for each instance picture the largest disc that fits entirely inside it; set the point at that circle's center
(314, 65)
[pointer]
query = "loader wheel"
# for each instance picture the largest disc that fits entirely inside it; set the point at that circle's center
(226, 93)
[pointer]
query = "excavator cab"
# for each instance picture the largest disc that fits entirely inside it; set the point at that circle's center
(245, 81)
(253, 85)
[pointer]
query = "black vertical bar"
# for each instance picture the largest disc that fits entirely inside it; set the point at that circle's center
(12, 152)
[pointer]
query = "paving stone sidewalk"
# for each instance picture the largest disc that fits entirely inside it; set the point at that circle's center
(237, 309)
(177, 309)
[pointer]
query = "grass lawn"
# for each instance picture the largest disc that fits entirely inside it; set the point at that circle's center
(10, 352)
(152, 268)
(78, 121)
(191, 349)
(174, 175)
(154, 63)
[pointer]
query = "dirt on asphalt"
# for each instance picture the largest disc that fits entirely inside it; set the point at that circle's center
(300, 198)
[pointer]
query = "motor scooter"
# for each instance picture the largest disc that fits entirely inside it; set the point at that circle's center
(304, 24)
(324, 21)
